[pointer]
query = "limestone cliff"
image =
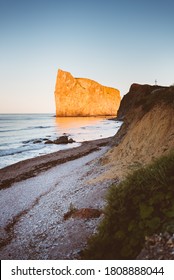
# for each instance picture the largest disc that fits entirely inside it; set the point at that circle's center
(84, 97)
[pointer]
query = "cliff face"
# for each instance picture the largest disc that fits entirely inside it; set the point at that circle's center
(147, 131)
(141, 96)
(142, 204)
(84, 97)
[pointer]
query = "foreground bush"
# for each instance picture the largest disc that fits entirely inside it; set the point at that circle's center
(141, 205)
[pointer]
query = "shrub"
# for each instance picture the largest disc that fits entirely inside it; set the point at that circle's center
(140, 205)
(163, 95)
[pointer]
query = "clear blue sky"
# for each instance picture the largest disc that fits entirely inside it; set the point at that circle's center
(113, 42)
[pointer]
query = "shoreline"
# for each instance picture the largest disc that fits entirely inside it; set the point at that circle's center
(32, 167)
(34, 226)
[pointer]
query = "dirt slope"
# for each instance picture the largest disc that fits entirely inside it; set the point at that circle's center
(147, 131)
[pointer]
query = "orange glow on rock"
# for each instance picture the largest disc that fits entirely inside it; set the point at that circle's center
(77, 97)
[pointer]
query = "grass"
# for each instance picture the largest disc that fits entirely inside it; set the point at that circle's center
(163, 95)
(150, 96)
(140, 205)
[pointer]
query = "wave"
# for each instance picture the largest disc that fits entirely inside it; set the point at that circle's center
(26, 128)
(25, 117)
(40, 126)
(22, 149)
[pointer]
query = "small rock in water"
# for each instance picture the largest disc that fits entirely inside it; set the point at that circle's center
(37, 141)
(49, 142)
(61, 140)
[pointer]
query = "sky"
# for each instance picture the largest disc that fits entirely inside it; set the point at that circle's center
(115, 43)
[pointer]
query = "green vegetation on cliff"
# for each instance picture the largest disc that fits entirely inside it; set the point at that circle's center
(144, 97)
(139, 206)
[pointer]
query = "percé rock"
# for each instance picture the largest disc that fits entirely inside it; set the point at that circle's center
(80, 97)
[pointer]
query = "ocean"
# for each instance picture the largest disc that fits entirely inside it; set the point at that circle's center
(23, 136)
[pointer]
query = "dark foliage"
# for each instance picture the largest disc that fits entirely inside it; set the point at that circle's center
(140, 205)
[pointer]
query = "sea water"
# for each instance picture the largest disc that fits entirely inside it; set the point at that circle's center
(23, 136)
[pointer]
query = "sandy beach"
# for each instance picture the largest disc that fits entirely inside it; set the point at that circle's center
(40, 192)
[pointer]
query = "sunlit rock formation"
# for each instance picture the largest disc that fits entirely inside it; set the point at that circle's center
(84, 97)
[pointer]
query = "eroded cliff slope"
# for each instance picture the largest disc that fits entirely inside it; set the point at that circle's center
(147, 132)
(141, 206)
(84, 97)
